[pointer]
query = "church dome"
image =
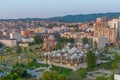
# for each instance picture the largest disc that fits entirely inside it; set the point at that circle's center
(51, 37)
(45, 39)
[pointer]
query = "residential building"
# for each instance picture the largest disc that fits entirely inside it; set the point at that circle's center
(102, 29)
(9, 42)
(16, 36)
(115, 23)
(24, 44)
(117, 76)
(101, 42)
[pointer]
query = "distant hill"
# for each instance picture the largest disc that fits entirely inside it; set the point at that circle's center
(74, 18)
(84, 17)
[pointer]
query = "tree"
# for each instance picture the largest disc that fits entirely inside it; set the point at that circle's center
(95, 45)
(114, 65)
(106, 49)
(20, 79)
(20, 71)
(1, 44)
(6, 77)
(82, 72)
(85, 40)
(71, 40)
(62, 39)
(101, 78)
(91, 59)
(58, 46)
(18, 50)
(118, 45)
(14, 76)
(8, 49)
(74, 76)
(112, 75)
(52, 75)
(37, 40)
(116, 56)
(30, 50)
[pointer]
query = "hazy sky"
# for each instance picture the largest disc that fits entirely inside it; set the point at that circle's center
(51, 8)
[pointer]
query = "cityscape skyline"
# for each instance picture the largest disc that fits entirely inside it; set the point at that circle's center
(59, 40)
(52, 8)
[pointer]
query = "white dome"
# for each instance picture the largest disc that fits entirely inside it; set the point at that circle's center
(51, 37)
(67, 57)
(87, 45)
(78, 51)
(45, 54)
(71, 51)
(74, 48)
(52, 52)
(71, 57)
(69, 44)
(75, 54)
(53, 55)
(64, 50)
(65, 54)
(82, 52)
(58, 54)
(78, 43)
(96, 52)
(59, 51)
(79, 57)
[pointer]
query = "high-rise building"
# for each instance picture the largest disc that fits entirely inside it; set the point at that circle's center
(102, 29)
(115, 23)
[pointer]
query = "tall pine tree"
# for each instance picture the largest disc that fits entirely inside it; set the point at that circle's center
(91, 60)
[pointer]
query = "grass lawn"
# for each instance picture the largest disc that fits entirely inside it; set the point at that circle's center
(108, 64)
(35, 65)
(62, 70)
(106, 58)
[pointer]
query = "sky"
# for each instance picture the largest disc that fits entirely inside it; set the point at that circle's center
(51, 8)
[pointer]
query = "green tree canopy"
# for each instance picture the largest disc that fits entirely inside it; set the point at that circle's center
(18, 50)
(106, 49)
(71, 40)
(82, 72)
(58, 46)
(21, 72)
(101, 78)
(37, 40)
(116, 56)
(63, 39)
(85, 40)
(91, 59)
(1, 44)
(52, 75)
(13, 76)
(114, 65)
(95, 45)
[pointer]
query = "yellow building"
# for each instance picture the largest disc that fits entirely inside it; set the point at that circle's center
(23, 44)
(36, 30)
